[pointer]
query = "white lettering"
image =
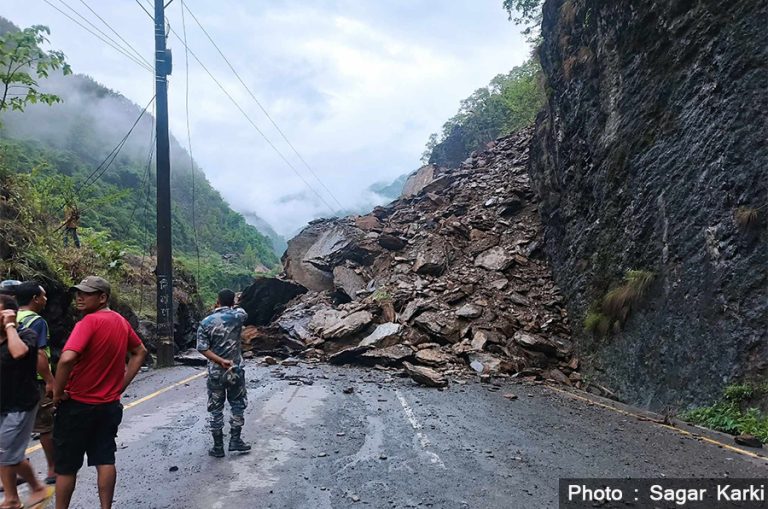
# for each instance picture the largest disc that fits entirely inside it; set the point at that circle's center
(750, 494)
(587, 494)
(679, 496)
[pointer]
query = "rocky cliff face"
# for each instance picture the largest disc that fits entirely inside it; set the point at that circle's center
(651, 155)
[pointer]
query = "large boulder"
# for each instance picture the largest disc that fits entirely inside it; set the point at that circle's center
(386, 334)
(310, 257)
(348, 326)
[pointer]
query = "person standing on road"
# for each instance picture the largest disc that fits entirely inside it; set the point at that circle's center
(90, 377)
(18, 406)
(32, 300)
(218, 339)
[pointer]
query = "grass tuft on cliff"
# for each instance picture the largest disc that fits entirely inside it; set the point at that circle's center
(613, 310)
(747, 217)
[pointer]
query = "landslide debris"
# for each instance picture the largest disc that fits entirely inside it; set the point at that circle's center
(447, 280)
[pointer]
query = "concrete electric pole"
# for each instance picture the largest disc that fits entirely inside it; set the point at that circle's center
(164, 261)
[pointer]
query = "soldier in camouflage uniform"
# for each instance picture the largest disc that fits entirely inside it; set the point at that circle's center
(218, 338)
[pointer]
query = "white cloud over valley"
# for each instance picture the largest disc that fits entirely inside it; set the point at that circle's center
(356, 86)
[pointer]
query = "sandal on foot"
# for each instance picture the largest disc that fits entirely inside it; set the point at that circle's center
(49, 491)
(50, 480)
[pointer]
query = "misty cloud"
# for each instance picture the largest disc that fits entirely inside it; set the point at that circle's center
(357, 87)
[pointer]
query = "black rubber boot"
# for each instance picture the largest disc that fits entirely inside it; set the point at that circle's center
(236, 443)
(217, 451)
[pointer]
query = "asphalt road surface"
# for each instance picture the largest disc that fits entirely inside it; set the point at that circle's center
(386, 443)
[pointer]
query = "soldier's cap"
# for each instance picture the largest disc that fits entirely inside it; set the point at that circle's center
(93, 284)
(8, 286)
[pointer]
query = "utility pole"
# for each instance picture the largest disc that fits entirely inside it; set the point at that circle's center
(164, 261)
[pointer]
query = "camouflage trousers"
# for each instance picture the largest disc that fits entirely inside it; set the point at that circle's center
(231, 387)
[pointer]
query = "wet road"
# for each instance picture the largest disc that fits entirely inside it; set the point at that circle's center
(387, 444)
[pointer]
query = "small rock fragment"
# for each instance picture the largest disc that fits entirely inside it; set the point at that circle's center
(748, 440)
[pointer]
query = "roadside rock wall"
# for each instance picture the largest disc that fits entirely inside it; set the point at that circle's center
(651, 155)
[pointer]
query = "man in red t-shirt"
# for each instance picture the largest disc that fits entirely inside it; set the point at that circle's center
(90, 377)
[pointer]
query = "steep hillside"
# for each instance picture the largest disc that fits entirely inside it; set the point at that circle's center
(93, 150)
(651, 161)
(73, 138)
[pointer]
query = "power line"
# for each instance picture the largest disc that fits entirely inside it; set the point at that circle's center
(253, 124)
(285, 138)
(106, 38)
(145, 10)
(107, 162)
(113, 46)
(189, 138)
(145, 178)
(145, 243)
(116, 33)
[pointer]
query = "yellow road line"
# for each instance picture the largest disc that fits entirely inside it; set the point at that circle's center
(667, 426)
(132, 404)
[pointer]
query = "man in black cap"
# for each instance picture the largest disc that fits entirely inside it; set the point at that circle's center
(90, 377)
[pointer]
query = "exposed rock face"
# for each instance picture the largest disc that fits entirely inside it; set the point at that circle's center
(418, 180)
(426, 299)
(652, 139)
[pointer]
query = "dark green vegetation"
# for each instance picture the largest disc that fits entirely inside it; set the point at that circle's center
(509, 103)
(51, 157)
(526, 13)
(733, 413)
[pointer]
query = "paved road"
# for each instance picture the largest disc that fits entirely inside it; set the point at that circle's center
(388, 444)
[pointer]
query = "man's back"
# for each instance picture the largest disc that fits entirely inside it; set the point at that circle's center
(18, 391)
(220, 332)
(102, 339)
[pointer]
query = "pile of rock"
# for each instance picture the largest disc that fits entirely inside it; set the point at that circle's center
(448, 278)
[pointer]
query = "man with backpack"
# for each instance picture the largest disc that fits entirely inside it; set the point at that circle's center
(32, 298)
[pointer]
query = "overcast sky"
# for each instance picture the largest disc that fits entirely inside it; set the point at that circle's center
(357, 86)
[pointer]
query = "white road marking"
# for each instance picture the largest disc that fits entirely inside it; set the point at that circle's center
(423, 440)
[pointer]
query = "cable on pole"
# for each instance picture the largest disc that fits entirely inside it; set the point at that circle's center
(116, 33)
(145, 10)
(189, 140)
(113, 45)
(266, 113)
(146, 176)
(253, 124)
(107, 162)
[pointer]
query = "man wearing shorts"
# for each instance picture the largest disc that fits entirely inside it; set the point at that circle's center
(32, 299)
(90, 377)
(18, 405)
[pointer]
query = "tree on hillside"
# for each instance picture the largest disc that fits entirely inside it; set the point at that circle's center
(528, 14)
(22, 63)
(510, 102)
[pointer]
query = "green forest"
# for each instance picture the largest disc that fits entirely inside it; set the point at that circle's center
(510, 102)
(74, 145)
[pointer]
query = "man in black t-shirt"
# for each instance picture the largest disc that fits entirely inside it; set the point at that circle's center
(18, 405)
